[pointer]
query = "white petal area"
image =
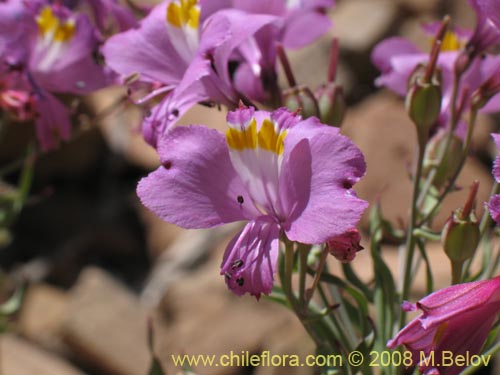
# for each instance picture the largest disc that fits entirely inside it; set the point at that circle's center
(259, 170)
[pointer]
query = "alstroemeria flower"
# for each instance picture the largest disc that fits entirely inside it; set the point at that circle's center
(456, 319)
(494, 204)
(188, 57)
(486, 34)
(255, 73)
(397, 58)
(53, 54)
(280, 173)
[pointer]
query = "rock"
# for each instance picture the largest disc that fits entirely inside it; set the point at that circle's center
(159, 234)
(359, 24)
(43, 311)
(19, 357)
(122, 126)
(420, 6)
(105, 326)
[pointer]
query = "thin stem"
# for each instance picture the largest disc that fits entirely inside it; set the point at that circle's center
(451, 183)
(411, 239)
(303, 251)
(456, 272)
(317, 276)
(285, 63)
(487, 354)
(317, 329)
(486, 218)
(334, 59)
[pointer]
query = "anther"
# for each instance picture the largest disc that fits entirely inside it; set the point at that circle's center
(237, 264)
(240, 281)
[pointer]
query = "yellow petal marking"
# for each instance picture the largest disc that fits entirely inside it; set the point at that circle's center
(241, 139)
(269, 139)
(49, 23)
(266, 138)
(451, 42)
(187, 12)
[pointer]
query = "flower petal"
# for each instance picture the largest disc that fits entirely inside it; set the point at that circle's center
(189, 92)
(250, 259)
(52, 124)
(494, 207)
(196, 186)
(146, 50)
(385, 50)
(330, 206)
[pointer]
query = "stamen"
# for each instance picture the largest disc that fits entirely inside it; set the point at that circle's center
(237, 264)
(240, 281)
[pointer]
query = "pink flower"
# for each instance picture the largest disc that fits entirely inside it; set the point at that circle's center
(456, 320)
(282, 174)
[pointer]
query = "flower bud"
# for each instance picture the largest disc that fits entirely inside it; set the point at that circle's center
(423, 100)
(19, 104)
(461, 234)
(331, 103)
(450, 161)
(301, 98)
(460, 237)
(345, 246)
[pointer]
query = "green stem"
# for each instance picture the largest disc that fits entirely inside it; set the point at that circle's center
(489, 353)
(451, 183)
(303, 251)
(483, 230)
(411, 239)
(453, 124)
(456, 272)
(316, 328)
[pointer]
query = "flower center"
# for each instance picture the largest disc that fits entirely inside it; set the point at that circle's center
(266, 138)
(53, 28)
(257, 153)
(55, 35)
(184, 13)
(183, 18)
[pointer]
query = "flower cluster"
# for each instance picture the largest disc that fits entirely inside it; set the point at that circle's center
(287, 174)
(48, 50)
(212, 52)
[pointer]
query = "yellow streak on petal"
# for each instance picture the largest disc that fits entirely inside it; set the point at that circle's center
(49, 23)
(241, 139)
(451, 42)
(187, 12)
(269, 139)
(266, 138)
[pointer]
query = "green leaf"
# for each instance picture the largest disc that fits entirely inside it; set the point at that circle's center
(156, 368)
(13, 304)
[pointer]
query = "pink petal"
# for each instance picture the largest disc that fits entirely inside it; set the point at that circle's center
(326, 204)
(196, 186)
(52, 124)
(250, 259)
(146, 50)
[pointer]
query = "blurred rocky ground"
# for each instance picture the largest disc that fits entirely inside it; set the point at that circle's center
(100, 266)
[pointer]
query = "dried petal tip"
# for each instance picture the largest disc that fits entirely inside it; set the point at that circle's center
(345, 246)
